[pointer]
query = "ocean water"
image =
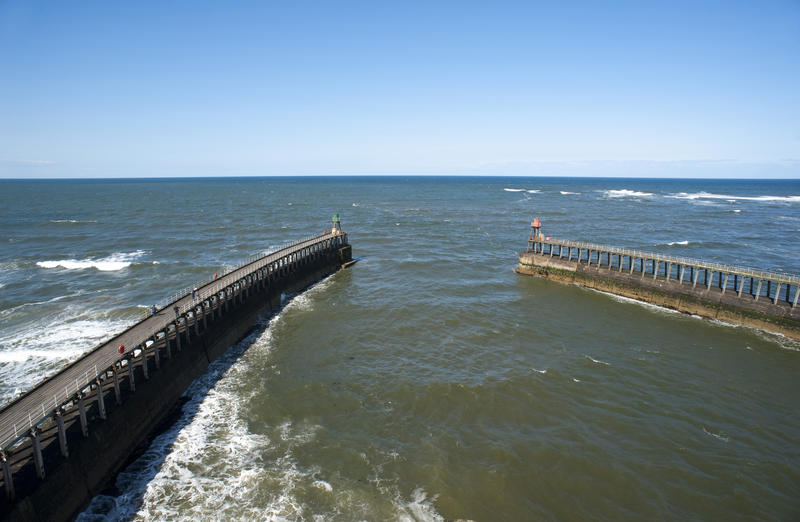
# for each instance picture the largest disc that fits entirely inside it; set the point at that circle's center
(429, 381)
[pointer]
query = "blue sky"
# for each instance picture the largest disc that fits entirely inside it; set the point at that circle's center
(108, 89)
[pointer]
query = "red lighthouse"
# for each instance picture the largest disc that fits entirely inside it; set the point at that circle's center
(536, 235)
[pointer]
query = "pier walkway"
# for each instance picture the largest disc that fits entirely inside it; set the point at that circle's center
(736, 294)
(750, 282)
(66, 395)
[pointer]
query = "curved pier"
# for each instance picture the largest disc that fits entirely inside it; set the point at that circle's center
(63, 441)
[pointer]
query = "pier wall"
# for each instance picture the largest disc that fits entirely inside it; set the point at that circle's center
(139, 397)
(703, 289)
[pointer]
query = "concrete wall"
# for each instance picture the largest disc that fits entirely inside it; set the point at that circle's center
(95, 461)
(711, 303)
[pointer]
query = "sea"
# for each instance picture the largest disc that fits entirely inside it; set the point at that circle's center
(429, 381)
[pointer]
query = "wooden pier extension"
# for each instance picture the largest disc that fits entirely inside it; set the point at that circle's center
(764, 300)
(65, 440)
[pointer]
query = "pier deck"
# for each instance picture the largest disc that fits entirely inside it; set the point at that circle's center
(758, 298)
(30, 410)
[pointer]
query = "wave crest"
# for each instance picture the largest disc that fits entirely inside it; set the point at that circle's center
(625, 193)
(114, 262)
(732, 199)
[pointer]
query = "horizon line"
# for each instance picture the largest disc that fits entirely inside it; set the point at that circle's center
(418, 175)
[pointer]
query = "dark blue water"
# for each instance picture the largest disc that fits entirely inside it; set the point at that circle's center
(429, 381)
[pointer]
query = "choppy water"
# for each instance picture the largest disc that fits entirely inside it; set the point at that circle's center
(429, 381)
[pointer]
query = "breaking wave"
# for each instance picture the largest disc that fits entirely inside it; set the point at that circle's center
(733, 199)
(597, 361)
(17, 356)
(623, 299)
(625, 193)
(114, 262)
(721, 436)
(28, 356)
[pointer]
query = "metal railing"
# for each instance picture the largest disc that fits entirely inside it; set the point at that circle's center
(187, 290)
(15, 429)
(715, 267)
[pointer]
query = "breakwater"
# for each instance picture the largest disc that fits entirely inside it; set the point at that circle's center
(765, 300)
(65, 440)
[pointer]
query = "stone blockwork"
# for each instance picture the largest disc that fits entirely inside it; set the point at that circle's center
(703, 301)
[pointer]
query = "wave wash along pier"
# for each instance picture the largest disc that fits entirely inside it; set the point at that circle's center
(65, 440)
(765, 300)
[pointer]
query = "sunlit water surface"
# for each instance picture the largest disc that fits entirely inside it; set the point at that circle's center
(429, 381)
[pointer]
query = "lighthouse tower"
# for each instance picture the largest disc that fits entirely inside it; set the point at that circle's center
(536, 235)
(336, 227)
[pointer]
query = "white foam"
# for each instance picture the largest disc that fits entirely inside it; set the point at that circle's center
(17, 356)
(29, 355)
(13, 309)
(597, 361)
(733, 199)
(719, 436)
(418, 509)
(59, 336)
(173, 466)
(568, 193)
(211, 460)
(534, 191)
(625, 193)
(781, 340)
(673, 243)
(114, 262)
(71, 221)
(514, 190)
(623, 299)
(736, 210)
(304, 302)
(540, 371)
(575, 380)
(324, 486)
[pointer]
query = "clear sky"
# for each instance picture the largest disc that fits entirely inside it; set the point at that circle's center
(639, 88)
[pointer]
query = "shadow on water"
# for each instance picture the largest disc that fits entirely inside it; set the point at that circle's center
(125, 498)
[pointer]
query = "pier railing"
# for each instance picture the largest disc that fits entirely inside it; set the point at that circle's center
(187, 290)
(724, 276)
(89, 375)
(717, 267)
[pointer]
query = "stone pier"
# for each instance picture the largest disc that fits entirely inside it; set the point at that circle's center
(65, 440)
(757, 298)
